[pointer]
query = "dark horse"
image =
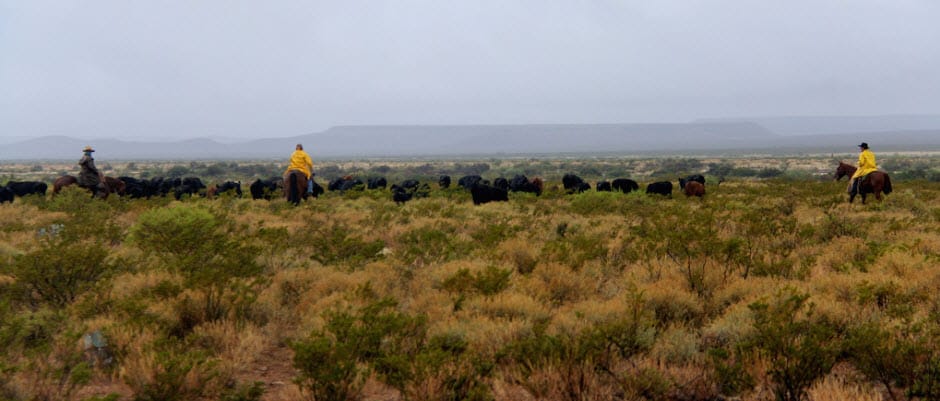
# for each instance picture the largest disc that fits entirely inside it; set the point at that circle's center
(876, 182)
(295, 186)
(111, 184)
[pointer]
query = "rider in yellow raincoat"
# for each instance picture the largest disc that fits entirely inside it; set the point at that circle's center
(866, 165)
(300, 161)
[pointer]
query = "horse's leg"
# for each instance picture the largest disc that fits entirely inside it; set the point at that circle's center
(292, 196)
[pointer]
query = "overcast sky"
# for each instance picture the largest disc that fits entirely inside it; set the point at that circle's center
(253, 69)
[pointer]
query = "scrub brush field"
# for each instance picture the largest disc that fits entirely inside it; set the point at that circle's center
(770, 287)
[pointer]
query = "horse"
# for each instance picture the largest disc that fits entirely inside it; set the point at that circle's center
(295, 186)
(877, 182)
(111, 185)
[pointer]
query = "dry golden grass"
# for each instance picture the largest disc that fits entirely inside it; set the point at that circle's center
(556, 284)
(845, 384)
(237, 346)
(557, 279)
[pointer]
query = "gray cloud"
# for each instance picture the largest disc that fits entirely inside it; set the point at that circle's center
(251, 69)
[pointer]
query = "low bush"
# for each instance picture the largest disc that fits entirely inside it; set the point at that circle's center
(60, 270)
(334, 362)
(338, 244)
(429, 244)
(490, 281)
(202, 248)
(800, 350)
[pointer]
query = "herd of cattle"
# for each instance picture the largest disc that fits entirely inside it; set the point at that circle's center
(481, 190)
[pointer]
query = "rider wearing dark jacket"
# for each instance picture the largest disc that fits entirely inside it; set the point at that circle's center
(90, 177)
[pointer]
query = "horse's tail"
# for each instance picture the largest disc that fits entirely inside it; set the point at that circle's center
(887, 186)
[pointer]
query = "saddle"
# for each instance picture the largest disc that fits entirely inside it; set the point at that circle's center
(862, 180)
(302, 174)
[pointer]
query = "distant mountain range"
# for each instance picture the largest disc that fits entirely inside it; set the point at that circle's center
(764, 135)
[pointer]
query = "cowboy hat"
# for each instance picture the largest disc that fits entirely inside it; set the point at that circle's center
(88, 149)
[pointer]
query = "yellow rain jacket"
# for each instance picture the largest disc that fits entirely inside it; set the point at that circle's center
(300, 160)
(866, 164)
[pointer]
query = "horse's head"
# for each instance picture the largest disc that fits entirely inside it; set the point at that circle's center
(843, 170)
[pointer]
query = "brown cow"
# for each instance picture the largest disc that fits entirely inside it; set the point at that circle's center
(694, 188)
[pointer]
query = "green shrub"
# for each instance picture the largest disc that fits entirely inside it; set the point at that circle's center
(595, 348)
(7, 390)
(490, 281)
(839, 225)
(186, 234)
(86, 218)
(58, 373)
(429, 244)
(194, 242)
(492, 233)
(730, 373)
(172, 377)
(338, 244)
(245, 392)
(926, 383)
(450, 370)
(59, 270)
(765, 242)
(334, 362)
(688, 239)
(574, 248)
(593, 203)
(32, 331)
(647, 384)
(884, 356)
(800, 350)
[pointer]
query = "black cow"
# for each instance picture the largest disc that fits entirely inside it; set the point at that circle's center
(501, 183)
(267, 189)
(444, 181)
(603, 186)
(136, 188)
(408, 190)
(624, 185)
(468, 181)
(376, 183)
(344, 184)
(521, 183)
(155, 186)
(410, 185)
(335, 183)
(483, 193)
(423, 190)
(661, 188)
(574, 184)
(6, 195)
(188, 186)
(168, 185)
(694, 177)
(401, 195)
(227, 186)
(317, 190)
(23, 188)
